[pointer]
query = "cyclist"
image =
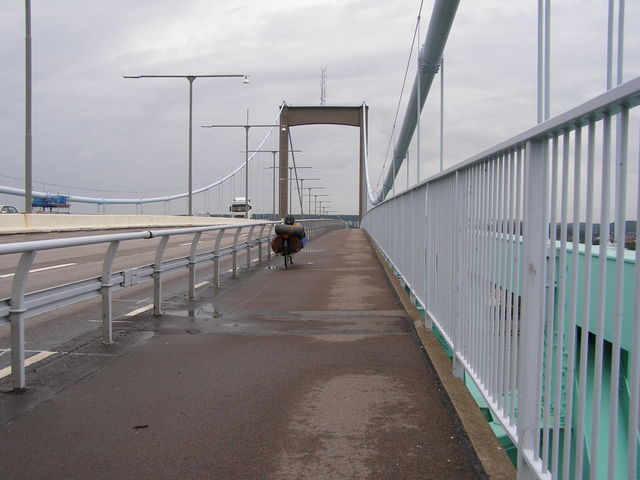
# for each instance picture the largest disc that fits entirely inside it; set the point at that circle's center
(291, 220)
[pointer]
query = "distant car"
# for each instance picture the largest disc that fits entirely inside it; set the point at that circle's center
(8, 209)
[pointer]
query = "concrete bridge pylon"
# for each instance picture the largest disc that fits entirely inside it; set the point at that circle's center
(291, 116)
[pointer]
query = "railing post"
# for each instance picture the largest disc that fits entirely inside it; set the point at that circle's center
(260, 242)
(157, 277)
(192, 265)
(533, 302)
(235, 252)
(107, 310)
(249, 239)
(271, 227)
(17, 316)
(456, 337)
(216, 259)
(428, 321)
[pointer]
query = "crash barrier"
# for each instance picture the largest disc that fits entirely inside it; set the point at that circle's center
(538, 304)
(22, 305)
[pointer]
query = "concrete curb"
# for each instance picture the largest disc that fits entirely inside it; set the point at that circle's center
(44, 223)
(492, 456)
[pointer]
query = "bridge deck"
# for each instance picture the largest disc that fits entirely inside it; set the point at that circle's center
(311, 373)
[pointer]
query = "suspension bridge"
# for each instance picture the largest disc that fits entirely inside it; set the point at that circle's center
(482, 322)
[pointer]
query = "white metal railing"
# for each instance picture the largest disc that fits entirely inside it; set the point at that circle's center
(546, 324)
(22, 305)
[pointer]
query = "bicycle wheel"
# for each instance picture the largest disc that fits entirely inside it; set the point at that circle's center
(285, 251)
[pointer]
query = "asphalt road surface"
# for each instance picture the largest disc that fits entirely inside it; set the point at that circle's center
(312, 373)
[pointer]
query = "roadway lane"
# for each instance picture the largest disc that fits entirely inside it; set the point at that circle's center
(62, 266)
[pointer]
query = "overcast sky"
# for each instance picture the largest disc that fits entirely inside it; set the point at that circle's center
(97, 134)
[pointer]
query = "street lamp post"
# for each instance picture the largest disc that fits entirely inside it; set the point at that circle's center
(315, 199)
(309, 195)
(302, 190)
(321, 206)
(28, 197)
(246, 156)
(274, 172)
(191, 79)
(315, 204)
(291, 184)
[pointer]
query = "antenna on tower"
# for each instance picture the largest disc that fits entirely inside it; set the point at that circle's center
(323, 85)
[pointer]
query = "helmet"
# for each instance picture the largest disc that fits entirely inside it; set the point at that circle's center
(289, 220)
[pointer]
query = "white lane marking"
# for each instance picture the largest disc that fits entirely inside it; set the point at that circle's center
(112, 321)
(183, 244)
(138, 310)
(202, 284)
(29, 361)
(143, 300)
(8, 275)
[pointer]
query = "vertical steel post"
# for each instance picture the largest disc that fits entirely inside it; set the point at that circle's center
(533, 296)
(17, 317)
(216, 259)
(456, 328)
(157, 277)
(249, 240)
(246, 167)
(260, 242)
(107, 284)
(191, 79)
(428, 321)
(28, 199)
(235, 252)
(192, 265)
(269, 240)
(442, 114)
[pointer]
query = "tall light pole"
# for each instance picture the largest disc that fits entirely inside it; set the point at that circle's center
(191, 79)
(302, 191)
(28, 187)
(321, 206)
(246, 156)
(315, 205)
(274, 171)
(291, 184)
(314, 188)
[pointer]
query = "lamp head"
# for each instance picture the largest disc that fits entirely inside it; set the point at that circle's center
(245, 80)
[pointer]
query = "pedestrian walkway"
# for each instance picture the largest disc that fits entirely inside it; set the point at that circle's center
(315, 372)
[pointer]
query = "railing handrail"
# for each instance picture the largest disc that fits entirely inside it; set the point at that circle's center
(37, 245)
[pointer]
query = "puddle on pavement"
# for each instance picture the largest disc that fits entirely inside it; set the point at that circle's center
(202, 312)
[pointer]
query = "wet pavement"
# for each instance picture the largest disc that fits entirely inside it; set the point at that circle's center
(314, 372)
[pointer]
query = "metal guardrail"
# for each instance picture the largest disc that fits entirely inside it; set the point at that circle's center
(549, 335)
(22, 305)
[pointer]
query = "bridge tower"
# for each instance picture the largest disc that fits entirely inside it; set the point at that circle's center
(291, 116)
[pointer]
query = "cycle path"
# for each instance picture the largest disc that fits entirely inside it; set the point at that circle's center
(314, 372)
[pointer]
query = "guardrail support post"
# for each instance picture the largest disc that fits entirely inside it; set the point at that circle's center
(271, 227)
(533, 301)
(235, 252)
(107, 311)
(157, 277)
(216, 259)
(260, 242)
(249, 239)
(192, 265)
(17, 316)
